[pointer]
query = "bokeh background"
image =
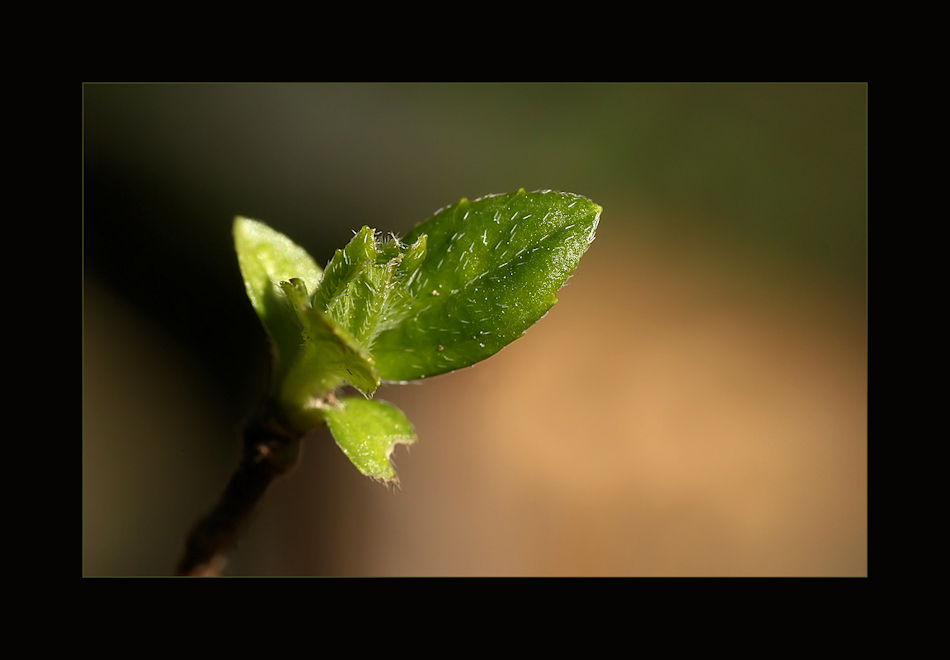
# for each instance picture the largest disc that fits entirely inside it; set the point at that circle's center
(696, 404)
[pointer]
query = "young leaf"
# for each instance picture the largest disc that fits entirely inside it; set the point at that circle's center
(266, 259)
(345, 266)
(312, 353)
(364, 286)
(327, 357)
(491, 270)
(367, 431)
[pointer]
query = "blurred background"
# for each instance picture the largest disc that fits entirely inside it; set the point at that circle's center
(696, 403)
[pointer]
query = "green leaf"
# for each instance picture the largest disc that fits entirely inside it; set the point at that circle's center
(345, 266)
(266, 259)
(364, 288)
(313, 354)
(367, 431)
(327, 357)
(490, 271)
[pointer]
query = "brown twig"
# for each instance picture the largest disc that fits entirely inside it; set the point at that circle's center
(269, 451)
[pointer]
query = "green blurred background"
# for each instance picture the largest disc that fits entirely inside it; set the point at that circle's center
(694, 405)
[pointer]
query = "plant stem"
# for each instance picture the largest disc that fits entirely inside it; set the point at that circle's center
(269, 451)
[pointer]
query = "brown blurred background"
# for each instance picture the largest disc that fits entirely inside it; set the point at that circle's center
(696, 404)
